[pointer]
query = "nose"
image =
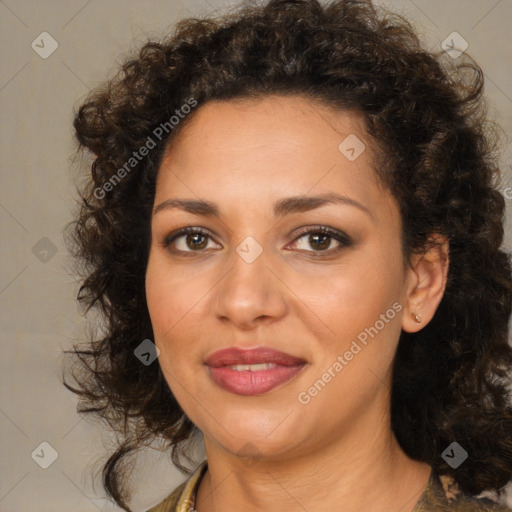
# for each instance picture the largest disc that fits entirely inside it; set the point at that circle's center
(250, 293)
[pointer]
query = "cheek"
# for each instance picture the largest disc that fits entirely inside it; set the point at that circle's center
(358, 292)
(362, 304)
(177, 299)
(170, 294)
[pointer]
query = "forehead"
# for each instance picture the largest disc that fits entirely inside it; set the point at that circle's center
(274, 146)
(287, 123)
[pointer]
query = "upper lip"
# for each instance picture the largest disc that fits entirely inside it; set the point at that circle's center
(233, 355)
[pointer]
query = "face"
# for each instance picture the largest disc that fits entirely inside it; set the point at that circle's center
(319, 280)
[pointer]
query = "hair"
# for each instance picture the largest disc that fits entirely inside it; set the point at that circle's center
(428, 117)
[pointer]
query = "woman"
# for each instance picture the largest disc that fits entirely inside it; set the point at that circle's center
(297, 204)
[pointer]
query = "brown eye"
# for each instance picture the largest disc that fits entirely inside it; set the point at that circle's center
(321, 239)
(196, 241)
(190, 239)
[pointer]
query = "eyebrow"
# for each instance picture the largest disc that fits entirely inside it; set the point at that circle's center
(282, 207)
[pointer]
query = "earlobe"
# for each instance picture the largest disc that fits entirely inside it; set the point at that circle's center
(416, 317)
(428, 275)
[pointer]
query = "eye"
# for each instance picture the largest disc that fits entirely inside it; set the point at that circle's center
(321, 239)
(193, 239)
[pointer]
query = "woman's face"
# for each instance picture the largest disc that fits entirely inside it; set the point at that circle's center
(262, 276)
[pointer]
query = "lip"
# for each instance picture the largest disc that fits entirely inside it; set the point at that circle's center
(247, 382)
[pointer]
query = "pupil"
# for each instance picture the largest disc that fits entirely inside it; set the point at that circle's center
(194, 237)
(323, 236)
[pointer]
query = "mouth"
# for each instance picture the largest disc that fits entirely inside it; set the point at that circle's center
(252, 372)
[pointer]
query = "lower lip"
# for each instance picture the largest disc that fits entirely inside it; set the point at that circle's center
(252, 383)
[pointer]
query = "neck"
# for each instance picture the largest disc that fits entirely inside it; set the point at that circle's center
(364, 470)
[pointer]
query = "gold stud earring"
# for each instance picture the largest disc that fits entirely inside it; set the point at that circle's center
(416, 317)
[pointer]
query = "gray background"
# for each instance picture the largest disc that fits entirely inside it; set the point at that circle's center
(39, 315)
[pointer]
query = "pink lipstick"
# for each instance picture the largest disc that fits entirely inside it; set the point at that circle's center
(252, 372)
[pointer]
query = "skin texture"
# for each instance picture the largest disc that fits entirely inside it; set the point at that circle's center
(269, 451)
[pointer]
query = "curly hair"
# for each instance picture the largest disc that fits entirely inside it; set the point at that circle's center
(439, 160)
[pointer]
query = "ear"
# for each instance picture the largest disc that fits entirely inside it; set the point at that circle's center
(426, 282)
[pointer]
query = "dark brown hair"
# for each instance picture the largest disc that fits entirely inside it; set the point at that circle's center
(426, 112)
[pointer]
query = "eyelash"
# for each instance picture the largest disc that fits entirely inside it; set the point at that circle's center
(344, 240)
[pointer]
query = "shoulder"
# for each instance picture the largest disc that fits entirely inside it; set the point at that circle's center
(182, 498)
(441, 496)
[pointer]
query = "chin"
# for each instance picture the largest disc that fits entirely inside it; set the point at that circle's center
(255, 434)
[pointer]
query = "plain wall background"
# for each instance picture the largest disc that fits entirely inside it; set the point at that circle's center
(39, 313)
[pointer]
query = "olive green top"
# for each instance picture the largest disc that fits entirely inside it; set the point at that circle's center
(433, 499)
